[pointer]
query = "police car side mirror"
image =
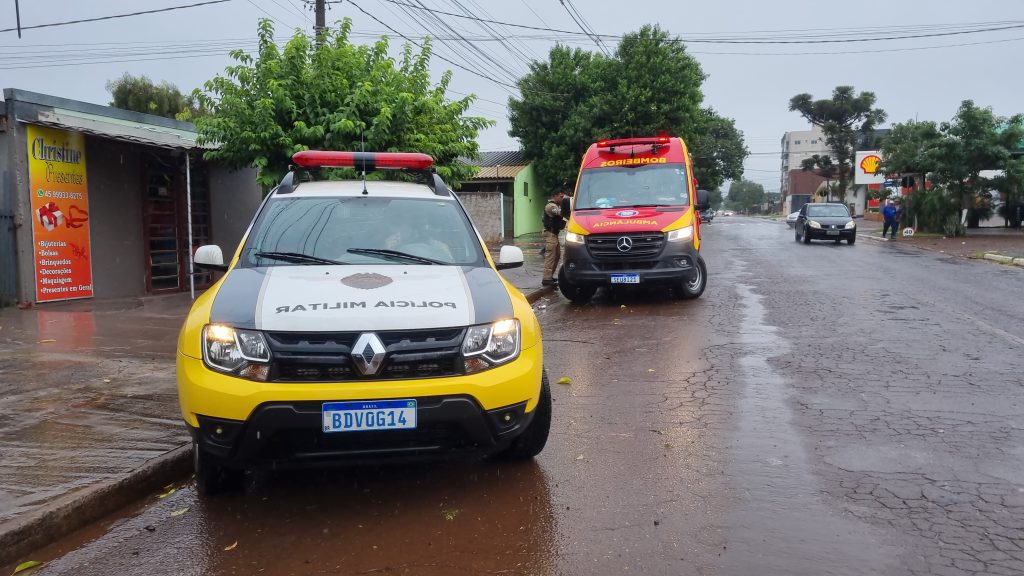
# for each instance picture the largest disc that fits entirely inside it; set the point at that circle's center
(210, 257)
(510, 257)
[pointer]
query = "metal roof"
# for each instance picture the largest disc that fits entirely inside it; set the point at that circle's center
(497, 158)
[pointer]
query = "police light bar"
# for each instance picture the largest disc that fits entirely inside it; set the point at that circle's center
(363, 161)
(633, 142)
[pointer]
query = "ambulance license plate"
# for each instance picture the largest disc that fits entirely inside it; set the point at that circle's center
(369, 415)
(625, 278)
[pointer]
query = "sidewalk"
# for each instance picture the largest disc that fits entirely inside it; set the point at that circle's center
(91, 410)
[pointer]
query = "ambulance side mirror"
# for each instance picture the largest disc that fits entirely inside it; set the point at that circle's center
(510, 257)
(703, 200)
(210, 257)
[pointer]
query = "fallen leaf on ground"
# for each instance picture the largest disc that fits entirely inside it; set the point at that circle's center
(26, 566)
(666, 446)
(166, 494)
(564, 381)
(47, 341)
(650, 369)
(658, 432)
(107, 380)
(179, 512)
(231, 547)
(580, 457)
(622, 305)
(450, 514)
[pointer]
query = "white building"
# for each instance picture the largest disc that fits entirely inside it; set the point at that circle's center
(797, 146)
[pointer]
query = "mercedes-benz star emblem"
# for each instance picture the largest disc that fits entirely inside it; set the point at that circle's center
(625, 244)
(368, 353)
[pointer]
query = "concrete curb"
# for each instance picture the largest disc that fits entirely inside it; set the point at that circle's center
(1003, 259)
(66, 514)
(539, 293)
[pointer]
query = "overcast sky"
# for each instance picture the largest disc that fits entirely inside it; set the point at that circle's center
(923, 77)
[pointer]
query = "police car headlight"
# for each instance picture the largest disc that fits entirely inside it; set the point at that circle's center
(490, 345)
(573, 238)
(684, 233)
(236, 351)
(813, 224)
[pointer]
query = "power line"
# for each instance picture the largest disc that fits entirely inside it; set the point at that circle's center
(98, 18)
(407, 39)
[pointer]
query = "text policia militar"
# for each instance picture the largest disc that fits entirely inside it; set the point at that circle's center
(351, 305)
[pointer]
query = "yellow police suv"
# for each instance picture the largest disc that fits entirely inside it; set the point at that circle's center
(359, 320)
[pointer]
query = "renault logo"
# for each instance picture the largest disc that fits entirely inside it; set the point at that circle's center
(368, 353)
(625, 244)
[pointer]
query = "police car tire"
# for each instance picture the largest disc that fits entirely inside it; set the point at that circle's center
(689, 291)
(532, 440)
(575, 293)
(211, 476)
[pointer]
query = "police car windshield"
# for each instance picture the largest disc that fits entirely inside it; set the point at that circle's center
(358, 230)
(645, 185)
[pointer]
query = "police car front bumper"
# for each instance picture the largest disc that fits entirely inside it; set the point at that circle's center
(290, 435)
(676, 262)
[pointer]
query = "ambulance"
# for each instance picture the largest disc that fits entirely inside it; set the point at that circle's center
(359, 320)
(635, 220)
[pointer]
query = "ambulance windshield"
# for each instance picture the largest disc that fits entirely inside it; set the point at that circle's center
(645, 185)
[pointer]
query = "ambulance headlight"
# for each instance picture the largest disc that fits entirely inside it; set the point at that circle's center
(684, 233)
(573, 238)
(489, 345)
(234, 350)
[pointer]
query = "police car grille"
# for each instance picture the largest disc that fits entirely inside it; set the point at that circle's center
(326, 357)
(644, 245)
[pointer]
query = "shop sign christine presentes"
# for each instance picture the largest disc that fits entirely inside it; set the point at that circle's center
(60, 214)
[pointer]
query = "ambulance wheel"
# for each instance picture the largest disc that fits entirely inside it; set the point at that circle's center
(532, 440)
(694, 287)
(575, 293)
(211, 476)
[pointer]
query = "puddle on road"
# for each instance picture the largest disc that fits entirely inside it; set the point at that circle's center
(781, 524)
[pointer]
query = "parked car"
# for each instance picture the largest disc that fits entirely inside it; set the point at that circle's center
(825, 221)
(359, 320)
(791, 219)
(728, 213)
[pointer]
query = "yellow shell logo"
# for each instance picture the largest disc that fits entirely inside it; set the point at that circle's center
(870, 164)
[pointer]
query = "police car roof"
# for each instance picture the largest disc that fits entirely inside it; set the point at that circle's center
(379, 188)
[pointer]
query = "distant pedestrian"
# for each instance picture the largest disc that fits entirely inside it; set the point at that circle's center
(890, 219)
(553, 224)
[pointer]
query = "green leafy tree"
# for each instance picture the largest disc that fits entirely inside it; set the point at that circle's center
(715, 198)
(975, 140)
(333, 95)
(845, 119)
(745, 196)
(909, 149)
(140, 94)
(651, 85)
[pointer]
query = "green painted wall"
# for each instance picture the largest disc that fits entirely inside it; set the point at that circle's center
(530, 196)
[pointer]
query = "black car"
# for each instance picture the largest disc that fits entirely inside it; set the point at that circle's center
(825, 221)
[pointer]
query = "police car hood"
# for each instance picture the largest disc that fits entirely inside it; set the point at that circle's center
(357, 298)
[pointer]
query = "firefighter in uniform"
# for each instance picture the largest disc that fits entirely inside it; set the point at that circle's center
(553, 224)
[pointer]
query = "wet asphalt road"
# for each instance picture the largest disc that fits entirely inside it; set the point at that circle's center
(820, 410)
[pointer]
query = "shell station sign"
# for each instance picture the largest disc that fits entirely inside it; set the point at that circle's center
(58, 185)
(865, 168)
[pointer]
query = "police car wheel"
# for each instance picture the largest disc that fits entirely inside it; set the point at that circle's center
(212, 477)
(532, 440)
(575, 293)
(694, 287)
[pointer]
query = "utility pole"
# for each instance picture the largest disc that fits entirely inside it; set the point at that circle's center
(321, 19)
